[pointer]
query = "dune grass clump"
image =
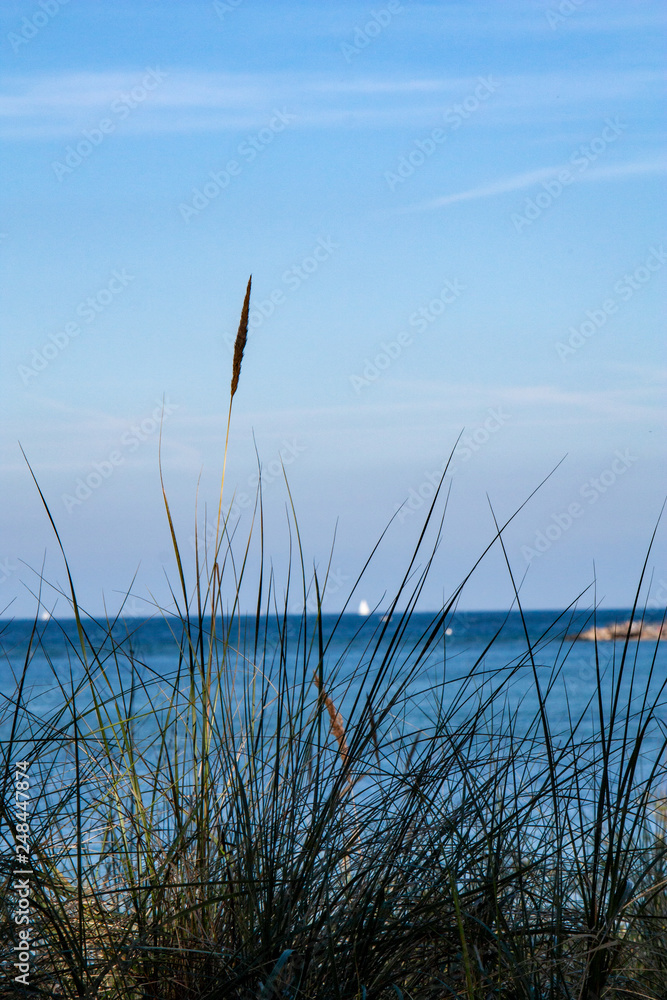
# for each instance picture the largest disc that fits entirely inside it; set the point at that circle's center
(262, 821)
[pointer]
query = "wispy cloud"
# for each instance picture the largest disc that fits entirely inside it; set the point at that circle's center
(61, 104)
(527, 179)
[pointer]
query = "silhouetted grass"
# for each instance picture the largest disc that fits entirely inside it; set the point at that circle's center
(262, 823)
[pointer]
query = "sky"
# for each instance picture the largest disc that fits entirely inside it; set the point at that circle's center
(454, 218)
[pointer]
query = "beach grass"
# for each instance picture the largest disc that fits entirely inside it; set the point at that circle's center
(262, 822)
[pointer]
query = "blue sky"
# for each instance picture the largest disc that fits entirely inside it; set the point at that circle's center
(454, 217)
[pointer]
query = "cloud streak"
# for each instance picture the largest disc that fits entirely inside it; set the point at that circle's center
(527, 179)
(60, 104)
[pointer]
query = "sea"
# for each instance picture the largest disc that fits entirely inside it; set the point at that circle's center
(532, 655)
(535, 692)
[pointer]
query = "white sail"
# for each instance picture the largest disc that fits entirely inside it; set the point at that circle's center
(364, 608)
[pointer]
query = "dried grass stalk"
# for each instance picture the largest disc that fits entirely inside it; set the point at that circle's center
(337, 724)
(338, 729)
(241, 338)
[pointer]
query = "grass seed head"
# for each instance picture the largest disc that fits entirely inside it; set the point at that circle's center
(240, 342)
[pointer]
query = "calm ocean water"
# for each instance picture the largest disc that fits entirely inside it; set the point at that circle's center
(489, 643)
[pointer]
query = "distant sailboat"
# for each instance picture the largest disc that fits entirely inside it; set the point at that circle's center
(364, 608)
